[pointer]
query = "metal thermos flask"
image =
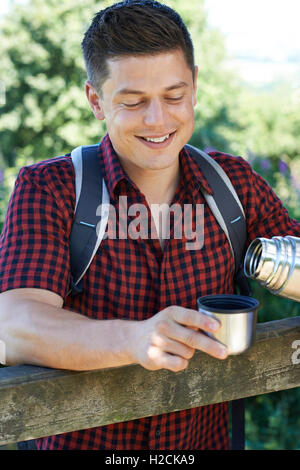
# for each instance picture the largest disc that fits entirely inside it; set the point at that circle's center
(275, 264)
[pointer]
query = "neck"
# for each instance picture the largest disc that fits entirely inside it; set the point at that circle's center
(160, 189)
(158, 186)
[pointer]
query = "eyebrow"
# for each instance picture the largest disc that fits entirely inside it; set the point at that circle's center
(128, 91)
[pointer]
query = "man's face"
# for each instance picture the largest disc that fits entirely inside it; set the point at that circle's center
(148, 104)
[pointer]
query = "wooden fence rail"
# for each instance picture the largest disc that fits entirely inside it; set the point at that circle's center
(37, 401)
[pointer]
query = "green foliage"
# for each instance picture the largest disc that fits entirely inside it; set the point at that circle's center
(270, 122)
(46, 114)
(273, 421)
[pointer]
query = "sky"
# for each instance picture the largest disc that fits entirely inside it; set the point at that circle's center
(262, 36)
(265, 28)
(4, 6)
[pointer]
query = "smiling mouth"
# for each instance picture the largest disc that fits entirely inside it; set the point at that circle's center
(157, 140)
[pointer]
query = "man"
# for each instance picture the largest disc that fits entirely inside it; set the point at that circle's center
(138, 303)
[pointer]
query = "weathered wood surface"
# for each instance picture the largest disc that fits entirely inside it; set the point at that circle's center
(36, 402)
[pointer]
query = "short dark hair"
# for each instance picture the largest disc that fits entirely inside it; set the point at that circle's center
(136, 28)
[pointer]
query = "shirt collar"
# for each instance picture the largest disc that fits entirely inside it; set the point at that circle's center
(192, 176)
(111, 168)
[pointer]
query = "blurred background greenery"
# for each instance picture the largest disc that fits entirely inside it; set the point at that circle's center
(44, 113)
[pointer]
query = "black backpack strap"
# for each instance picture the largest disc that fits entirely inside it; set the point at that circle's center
(227, 209)
(229, 212)
(90, 218)
(224, 203)
(238, 424)
(86, 236)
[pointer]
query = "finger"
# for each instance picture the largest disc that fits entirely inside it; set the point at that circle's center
(204, 343)
(197, 340)
(195, 319)
(173, 347)
(163, 360)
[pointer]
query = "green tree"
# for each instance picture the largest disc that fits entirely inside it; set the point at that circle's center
(46, 112)
(42, 68)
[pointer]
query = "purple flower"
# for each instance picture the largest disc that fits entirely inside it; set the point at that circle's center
(265, 164)
(283, 167)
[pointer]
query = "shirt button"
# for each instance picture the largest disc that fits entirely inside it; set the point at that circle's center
(157, 432)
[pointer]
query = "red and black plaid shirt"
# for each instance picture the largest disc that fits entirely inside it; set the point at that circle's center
(132, 279)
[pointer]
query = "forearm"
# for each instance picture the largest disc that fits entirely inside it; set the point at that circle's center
(41, 334)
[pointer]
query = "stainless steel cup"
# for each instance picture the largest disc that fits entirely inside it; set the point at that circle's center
(237, 315)
(275, 264)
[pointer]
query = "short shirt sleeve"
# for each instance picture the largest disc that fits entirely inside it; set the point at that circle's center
(265, 213)
(34, 244)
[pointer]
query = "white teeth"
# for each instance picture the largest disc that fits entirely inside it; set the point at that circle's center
(159, 139)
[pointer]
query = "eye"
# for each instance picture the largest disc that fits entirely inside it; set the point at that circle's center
(131, 105)
(178, 98)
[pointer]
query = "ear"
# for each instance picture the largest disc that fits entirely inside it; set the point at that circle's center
(195, 86)
(94, 100)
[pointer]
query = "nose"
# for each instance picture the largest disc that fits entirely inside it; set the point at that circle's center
(155, 113)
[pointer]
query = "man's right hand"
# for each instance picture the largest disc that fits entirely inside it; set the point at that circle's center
(169, 339)
(36, 329)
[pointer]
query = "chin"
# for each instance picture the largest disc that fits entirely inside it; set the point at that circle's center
(160, 163)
